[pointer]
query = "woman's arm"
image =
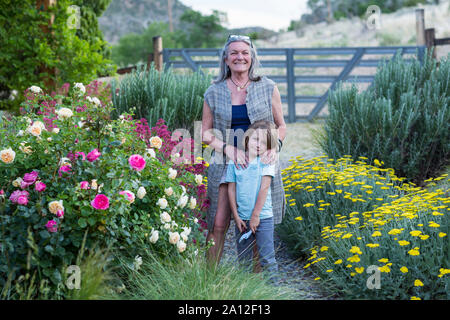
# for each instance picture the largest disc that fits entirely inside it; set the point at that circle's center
(262, 196)
(277, 112)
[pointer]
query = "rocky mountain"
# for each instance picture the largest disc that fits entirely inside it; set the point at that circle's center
(133, 16)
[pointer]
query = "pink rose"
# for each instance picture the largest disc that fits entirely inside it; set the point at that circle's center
(130, 196)
(100, 202)
(14, 197)
(60, 213)
(136, 162)
(52, 226)
(84, 185)
(40, 186)
(67, 168)
(80, 154)
(93, 155)
(22, 200)
(29, 179)
(2, 193)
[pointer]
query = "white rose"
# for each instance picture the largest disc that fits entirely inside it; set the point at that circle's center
(181, 245)
(195, 220)
(20, 133)
(64, 162)
(39, 124)
(184, 190)
(198, 179)
(96, 101)
(55, 130)
(166, 226)
(184, 236)
(137, 262)
(168, 191)
(80, 87)
(64, 113)
(154, 236)
(182, 201)
(162, 203)
(16, 183)
(155, 142)
(172, 173)
(88, 98)
(13, 95)
(35, 89)
(141, 192)
(187, 230)
(150, 153)
(165, 217)
(192, 203)
(174, 237)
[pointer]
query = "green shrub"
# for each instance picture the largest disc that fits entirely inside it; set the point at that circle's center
(151, 94)
(403, 119)
(58, 162)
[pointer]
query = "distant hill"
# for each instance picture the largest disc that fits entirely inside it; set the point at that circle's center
(133, 16)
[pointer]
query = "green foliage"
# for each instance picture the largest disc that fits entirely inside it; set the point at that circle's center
(134, 48)
(26, 48)
(178, 99)
(196, 36)
(193, 278)
(56, 153)
(403, 119)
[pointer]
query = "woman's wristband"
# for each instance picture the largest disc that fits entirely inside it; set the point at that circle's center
(223, 148)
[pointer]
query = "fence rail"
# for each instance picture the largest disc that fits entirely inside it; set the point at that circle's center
(186, 58)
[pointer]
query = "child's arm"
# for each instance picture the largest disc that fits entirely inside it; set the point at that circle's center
(262, 195)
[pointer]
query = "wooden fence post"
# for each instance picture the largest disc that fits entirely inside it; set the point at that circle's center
(420, 27)
(429, 41)
(157, 52)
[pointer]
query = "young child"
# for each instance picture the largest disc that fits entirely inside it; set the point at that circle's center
(250, 196)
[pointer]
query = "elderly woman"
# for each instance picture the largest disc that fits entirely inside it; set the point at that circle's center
(237, 98)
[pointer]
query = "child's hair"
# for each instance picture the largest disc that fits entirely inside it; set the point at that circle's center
(271, 130)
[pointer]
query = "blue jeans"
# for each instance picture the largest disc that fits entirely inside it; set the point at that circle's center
(264, 243)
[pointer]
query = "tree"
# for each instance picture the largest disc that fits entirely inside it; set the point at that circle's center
(25, 48)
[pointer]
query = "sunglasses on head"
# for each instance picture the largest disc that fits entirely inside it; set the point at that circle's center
(237, 37)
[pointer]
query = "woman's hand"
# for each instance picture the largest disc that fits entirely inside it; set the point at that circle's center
(269, 156)
(237, 156)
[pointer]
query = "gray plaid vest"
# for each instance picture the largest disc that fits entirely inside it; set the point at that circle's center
(259, 107)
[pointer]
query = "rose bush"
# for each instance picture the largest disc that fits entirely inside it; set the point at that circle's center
(71, 177)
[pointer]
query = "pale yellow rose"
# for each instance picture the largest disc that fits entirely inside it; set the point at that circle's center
(54, 206)
(7, 155)
(174, 237)
(155, 142)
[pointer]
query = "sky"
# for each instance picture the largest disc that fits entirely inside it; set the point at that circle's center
(270, 14)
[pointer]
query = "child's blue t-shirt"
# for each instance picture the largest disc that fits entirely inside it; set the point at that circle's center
(248, 183)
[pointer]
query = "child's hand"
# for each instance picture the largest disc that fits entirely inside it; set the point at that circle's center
(240, 224)
(254, 223)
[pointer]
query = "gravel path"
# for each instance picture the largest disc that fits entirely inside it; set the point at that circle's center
(291, 270)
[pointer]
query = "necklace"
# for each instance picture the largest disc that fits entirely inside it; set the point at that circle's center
(239, 87)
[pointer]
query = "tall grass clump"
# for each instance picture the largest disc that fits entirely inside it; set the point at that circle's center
(178, 99)
(403, 119)
(178, 278)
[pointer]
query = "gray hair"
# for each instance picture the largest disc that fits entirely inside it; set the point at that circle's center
(224, 70)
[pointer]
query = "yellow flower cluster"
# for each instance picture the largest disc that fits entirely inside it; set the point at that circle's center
(413, 214)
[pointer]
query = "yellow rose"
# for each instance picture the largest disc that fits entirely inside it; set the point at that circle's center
(7, 155)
